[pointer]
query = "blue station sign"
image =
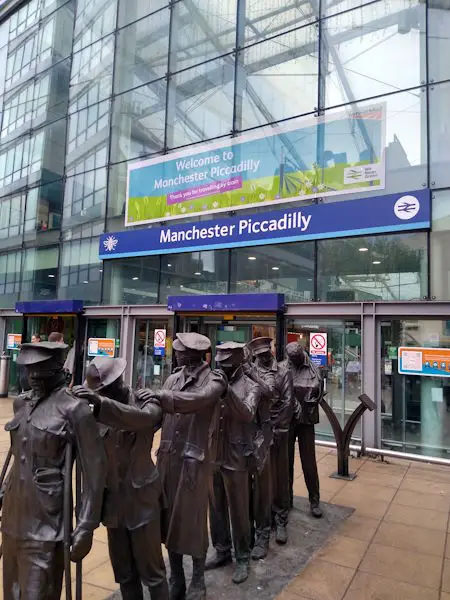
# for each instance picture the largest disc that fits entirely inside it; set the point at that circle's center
(366, 216)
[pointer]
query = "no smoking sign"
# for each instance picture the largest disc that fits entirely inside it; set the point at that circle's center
(318, 344)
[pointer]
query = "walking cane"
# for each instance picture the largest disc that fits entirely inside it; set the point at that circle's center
(68, 512)
(2, 481)
(79, 565)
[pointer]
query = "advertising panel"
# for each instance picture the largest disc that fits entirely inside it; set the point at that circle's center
(428, 362)
(13, 341)
(315, 157)
(101, 347)
(365, 216)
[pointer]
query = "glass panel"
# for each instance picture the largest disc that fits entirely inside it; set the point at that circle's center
(439, 135)
(267, 18)
(22, 159)
(10, 278)
(151, 371)
(279, 78)
(84, 198)
(342, 372)
(92, 67)
(101, 328)
(374, 50)
(201, 102)
(201, 30)
(117, 193)
(131, 281)
(138, 122)
(43, 211)
(40, 274)
(283, 268)
(415, 410)
(331, 7)
(440, 244)
(142, 51)
(438, 40)
(80, 272)
(194, 273)
(11, 218)
(95, 19)
(373, 268)
(132, 10)
(87, 127)
(23, 18)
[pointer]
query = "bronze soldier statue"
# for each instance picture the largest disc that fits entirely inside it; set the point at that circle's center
(308, 389)
(45, 421)
(231, 500)
(261, 372)
(189, 398)
(281, 417)
(131, 506)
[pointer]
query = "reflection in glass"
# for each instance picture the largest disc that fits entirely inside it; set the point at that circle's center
(131, 280)
(95, 19)
(193, 43)
(138, 122)
(373, 268)
(10, 278)
(93, 67)
(201, 102)
(11, 216)
(21, 159)
(194, 273)
(40, 274)
(439, 135)
(279, 78)
(133, 10)
(415, 410)
(43, 209)
(280, 268)
(265, 19)
(440, 244)
(81, 271)
(374, 50)
(84, 197)
(438, 40)
(142, 51)
(332, 7)
(117, 195)
(84, 125)
(150, 370)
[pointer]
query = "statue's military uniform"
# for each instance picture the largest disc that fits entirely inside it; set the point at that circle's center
(45, 421)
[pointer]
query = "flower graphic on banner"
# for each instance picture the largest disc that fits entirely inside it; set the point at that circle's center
(110, 243)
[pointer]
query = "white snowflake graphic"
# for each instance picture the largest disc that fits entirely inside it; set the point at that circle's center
(110, 243)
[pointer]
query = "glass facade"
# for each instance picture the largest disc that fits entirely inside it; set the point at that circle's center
(88, 86)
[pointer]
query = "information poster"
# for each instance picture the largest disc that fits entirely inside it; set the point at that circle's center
(428, 362)
(13, 341)
(101, 347)
(272, 166)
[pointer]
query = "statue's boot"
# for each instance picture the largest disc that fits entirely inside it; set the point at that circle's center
(316, 511)
(197, 588)
(132, 590)
(261, 547)
(161, 591)
(220, 559)
(281, 534)
(177, 580)
(241, 572)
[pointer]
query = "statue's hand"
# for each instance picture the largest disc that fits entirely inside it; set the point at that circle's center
(86, 394)
(146, 395)
(81, 544)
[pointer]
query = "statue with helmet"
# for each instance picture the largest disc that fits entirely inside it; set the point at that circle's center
(189, 399)
(308, 391)
(234, 449)
(50, 426)
(132, 501)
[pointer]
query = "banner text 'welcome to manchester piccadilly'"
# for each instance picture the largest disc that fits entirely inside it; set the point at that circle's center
(272, 166)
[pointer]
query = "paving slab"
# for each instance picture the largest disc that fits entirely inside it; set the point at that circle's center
(268, 577)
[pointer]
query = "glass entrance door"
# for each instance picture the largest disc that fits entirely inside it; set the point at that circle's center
(230, 328)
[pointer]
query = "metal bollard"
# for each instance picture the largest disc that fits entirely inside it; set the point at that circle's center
(4, 374)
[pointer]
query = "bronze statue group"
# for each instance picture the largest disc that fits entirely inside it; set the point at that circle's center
(227, 449)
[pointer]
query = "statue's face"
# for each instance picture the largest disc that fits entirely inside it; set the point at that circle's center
(43, 373)
(297, 357)
(231, 364)
(117, 390)
(188, 358)
(265, 358)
